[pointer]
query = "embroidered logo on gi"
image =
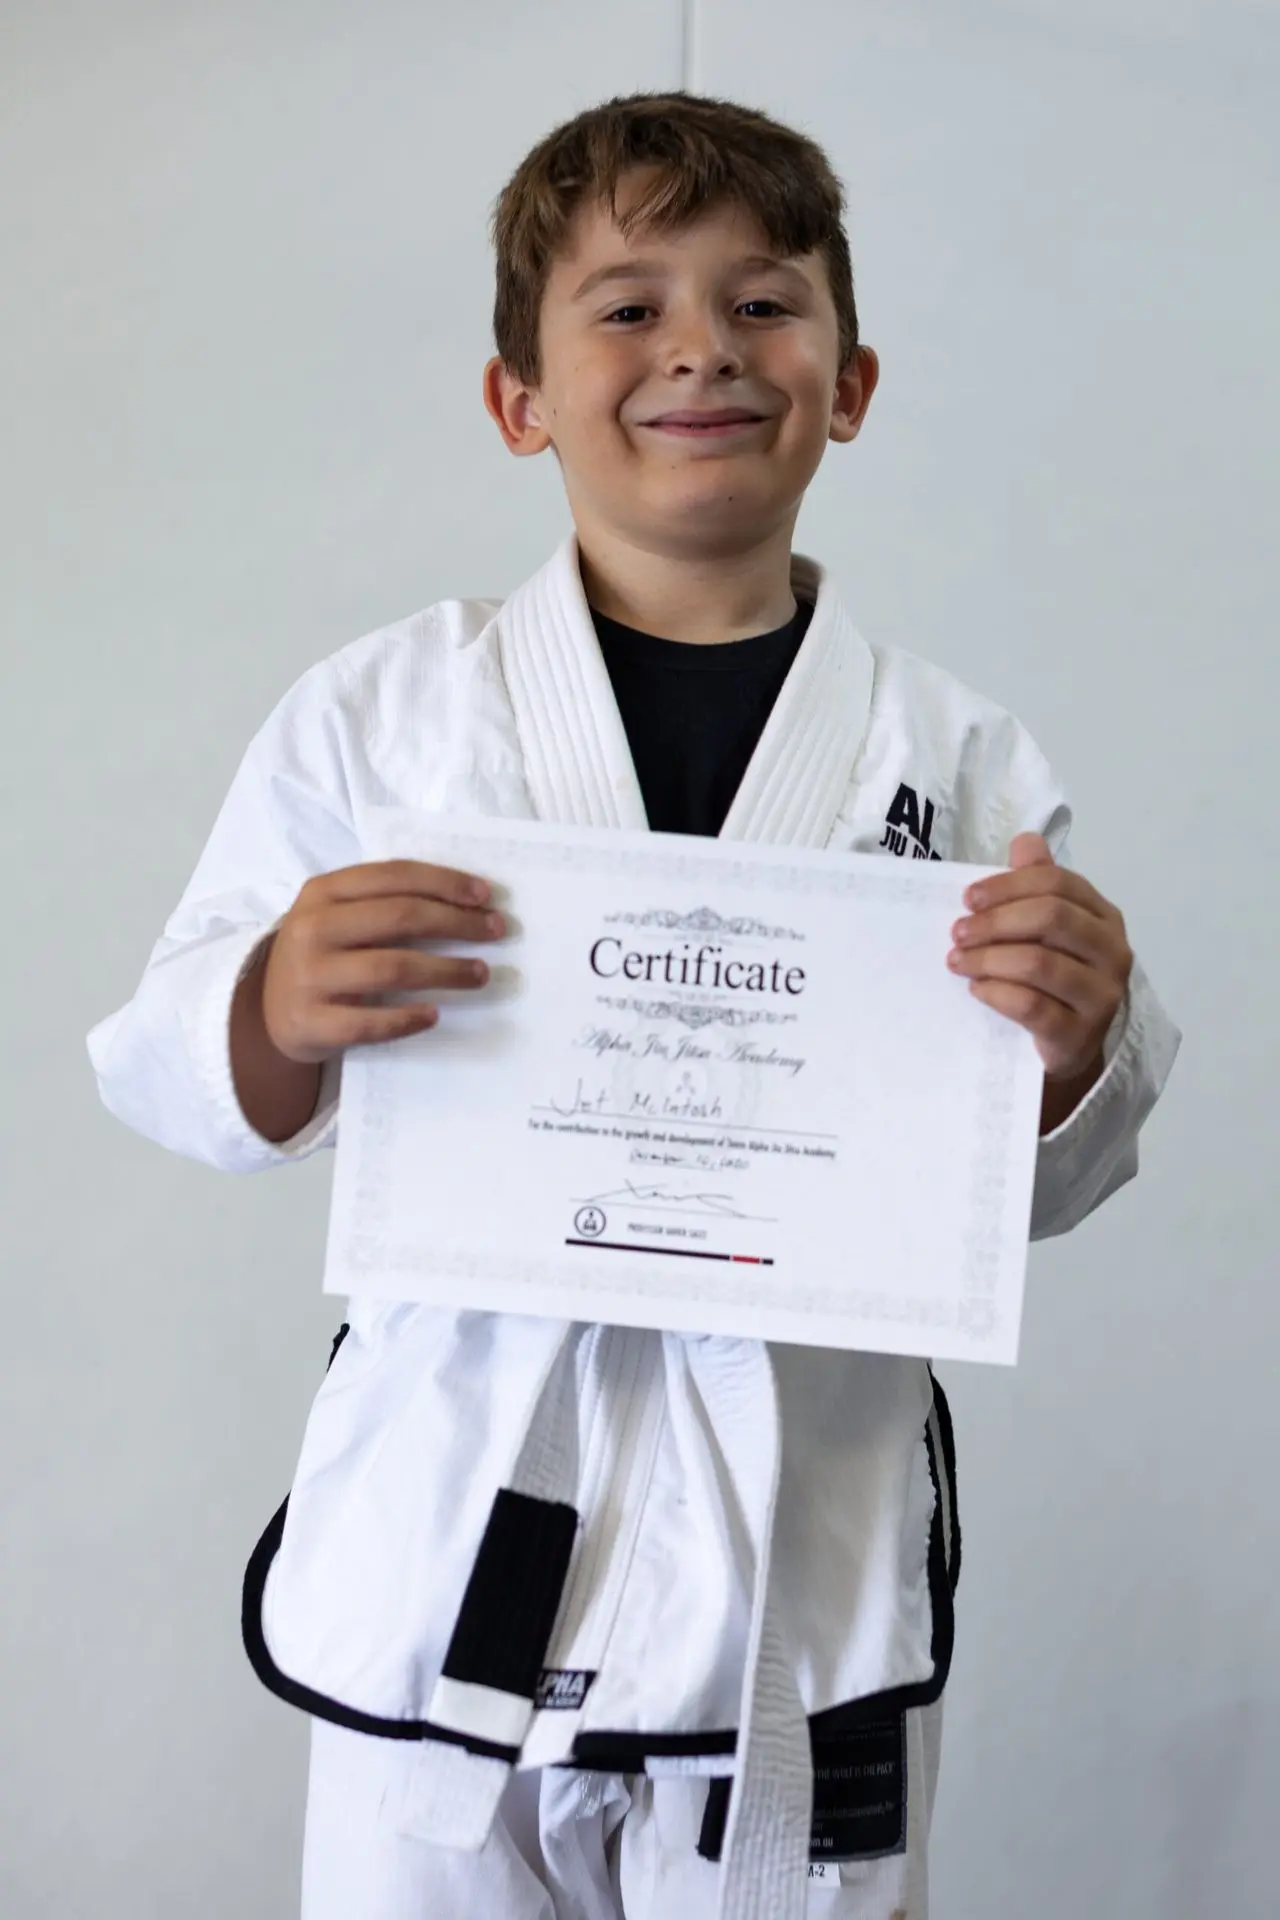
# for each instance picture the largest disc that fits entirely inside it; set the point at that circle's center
(561, 1689)
(909, 833)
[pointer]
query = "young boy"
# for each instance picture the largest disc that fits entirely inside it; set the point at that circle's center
(753, 1588)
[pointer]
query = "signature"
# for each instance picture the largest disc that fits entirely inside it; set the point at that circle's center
(712, 1203)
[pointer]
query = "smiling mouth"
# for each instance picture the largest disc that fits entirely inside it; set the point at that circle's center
(710, 429)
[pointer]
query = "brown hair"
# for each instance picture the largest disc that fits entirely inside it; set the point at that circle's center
(708, 152)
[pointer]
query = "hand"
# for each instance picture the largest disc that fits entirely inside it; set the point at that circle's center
(1044, 948)
(343, 943)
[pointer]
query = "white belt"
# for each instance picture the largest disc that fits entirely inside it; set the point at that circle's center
(766, 1849)
(451, 1795)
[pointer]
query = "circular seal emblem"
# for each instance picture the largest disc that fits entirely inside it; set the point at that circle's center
(590, 1222)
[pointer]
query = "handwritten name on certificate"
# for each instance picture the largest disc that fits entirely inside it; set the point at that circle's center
(711, 1087)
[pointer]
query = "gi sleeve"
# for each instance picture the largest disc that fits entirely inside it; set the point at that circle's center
(163, 1062)
(1094, 1152)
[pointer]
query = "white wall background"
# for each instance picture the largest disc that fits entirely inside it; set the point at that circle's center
(246, 306)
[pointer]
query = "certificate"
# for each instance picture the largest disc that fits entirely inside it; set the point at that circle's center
(711, 1087)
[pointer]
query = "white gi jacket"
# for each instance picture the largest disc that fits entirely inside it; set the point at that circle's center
(756, 1536)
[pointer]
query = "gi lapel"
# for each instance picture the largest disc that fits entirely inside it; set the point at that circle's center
(577, 761)
(576, 758)
(795, 784)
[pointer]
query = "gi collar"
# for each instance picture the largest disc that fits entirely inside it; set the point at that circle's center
(577, 761)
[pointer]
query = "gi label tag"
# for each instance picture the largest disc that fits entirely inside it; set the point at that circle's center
(860, 1793)
(859, 1799)
(561, 1689)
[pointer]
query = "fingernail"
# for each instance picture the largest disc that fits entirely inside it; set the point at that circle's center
(479, 972)
(495, 924)
(953, 959)
(975, 897)
(960, 932)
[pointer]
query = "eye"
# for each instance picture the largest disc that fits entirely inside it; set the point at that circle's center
(620, 314)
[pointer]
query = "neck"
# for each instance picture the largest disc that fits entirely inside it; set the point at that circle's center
(703, 600)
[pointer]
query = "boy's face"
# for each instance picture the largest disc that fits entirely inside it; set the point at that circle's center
(702, 322)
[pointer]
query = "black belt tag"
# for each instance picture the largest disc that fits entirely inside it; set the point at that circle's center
(859, 1796)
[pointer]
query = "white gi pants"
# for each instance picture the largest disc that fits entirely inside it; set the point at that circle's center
(566, 1845)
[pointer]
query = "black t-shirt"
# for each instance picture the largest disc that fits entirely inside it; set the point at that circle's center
(693, 714)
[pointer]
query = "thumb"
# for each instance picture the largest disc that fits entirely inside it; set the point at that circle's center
(1030, 850)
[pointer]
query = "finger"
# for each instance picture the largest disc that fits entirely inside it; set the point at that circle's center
(373, 879)
(378, 922)
(1039, 969)
(1031, 850)
(1055, 1026)
(352, 974)
(341, 1027)
(1038, 878)
(1047, 918)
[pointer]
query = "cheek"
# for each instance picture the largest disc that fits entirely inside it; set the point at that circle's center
(579, 381)
(600, 388)
(805, 372)
(601, 368)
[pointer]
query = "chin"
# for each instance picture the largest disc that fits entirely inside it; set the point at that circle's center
(726, 509)
(736, 526)
(706, 486)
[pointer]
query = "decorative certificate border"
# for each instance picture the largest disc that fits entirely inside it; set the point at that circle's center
(702, 920)
(695, 1013)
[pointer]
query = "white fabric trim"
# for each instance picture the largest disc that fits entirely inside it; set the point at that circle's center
(687, 1766)
(797, 779)
(577, 761)
(447, 1796)
(485, 1713)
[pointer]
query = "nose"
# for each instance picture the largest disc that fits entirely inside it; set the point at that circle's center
(702, 344)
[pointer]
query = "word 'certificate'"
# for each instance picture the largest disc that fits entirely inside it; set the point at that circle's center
(711, 1087)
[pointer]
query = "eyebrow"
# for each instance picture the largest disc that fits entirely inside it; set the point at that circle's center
(657, 269)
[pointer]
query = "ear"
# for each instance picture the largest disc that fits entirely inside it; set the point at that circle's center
(516, 409)
(852, 397)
